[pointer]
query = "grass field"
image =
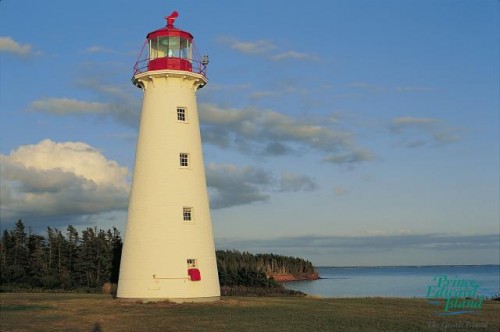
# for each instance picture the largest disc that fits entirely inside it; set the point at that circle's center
(91, 312)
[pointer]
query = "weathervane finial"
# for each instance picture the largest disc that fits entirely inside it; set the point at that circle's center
(171, 18)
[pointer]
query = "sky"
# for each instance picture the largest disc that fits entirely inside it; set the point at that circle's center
(349, 133)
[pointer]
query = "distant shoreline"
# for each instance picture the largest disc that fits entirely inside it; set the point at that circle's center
(285, 277)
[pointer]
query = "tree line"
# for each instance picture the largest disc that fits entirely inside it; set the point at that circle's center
(243, 268)
(58, 260)
(85, 261)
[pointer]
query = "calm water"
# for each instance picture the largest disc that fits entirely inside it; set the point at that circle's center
(408, 281)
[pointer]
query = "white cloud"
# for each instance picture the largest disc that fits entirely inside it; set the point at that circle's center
(417, 131)
(296, 182)
(264, 48)
(120, 106)
(273, 133)
(124, 101)
(248, 47)
(411, 121)
(8, 45)
(230, 185)
(293, 55)
(50, 179)
(97, 49)
(350, 157)
(63, 106)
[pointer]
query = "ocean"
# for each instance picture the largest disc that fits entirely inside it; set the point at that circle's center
(397, 281)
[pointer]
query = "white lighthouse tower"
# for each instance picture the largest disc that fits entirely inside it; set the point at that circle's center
(168, 251)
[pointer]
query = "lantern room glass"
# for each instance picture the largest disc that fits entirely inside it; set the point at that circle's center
(170, 46)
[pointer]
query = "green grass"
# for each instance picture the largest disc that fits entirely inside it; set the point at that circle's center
(88, 312)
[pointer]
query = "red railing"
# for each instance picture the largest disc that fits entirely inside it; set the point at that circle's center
(170, 63)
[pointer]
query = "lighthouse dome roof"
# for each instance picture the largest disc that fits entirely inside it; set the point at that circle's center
(169, 31)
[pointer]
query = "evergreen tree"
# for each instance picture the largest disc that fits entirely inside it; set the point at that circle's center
(73, 252)
(38, 259)
(20, 245)
(116, 249)
(7, 258)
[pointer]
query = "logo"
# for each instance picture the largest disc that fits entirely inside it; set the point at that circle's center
(456, 296)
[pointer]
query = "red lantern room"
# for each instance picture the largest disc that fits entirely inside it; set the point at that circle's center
(170, 48)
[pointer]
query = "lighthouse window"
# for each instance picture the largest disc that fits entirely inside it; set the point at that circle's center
(185, 49)
(187, 214)
(170, 46)
(158, 47)
(184, 159)
(173, 47)
(181, 114)
(192, 263)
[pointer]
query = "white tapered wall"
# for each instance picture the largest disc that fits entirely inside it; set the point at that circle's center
(158, 241)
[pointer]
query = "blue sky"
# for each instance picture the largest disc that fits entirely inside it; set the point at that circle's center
(346, 132)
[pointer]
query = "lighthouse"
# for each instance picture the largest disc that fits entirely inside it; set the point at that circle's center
(168, 251)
